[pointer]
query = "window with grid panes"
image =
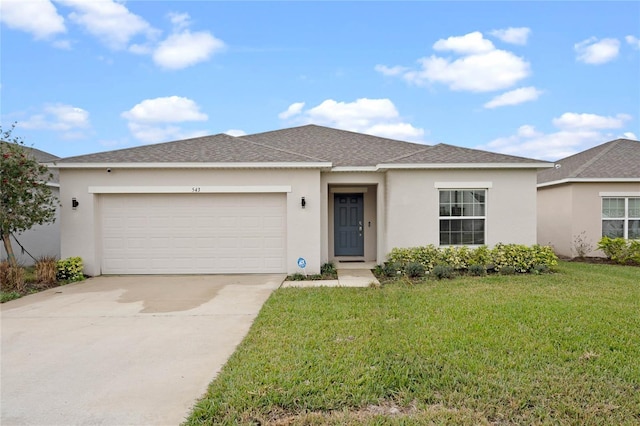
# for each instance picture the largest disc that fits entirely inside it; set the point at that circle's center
(462, 216)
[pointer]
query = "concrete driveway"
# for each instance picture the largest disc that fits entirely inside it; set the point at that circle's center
(122, 350)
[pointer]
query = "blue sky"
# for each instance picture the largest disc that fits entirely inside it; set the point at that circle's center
(537, 79)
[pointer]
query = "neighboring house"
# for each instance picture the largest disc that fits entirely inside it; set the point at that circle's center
(588, 195)
(41, 240)
(259, 203)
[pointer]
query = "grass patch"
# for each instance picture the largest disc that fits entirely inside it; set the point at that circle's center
(557, 348)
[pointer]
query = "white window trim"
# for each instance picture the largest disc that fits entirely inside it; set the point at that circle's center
(626, 218)
(486, 197)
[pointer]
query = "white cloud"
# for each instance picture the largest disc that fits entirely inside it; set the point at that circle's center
(385, 70)
(572, 120)
(183, 48)
(59, 117)
(576, 132)
(372, 116)
(149, 121)
(633, 41)
(180, 21)
(514, 97)
(171, 109)
(235, 132)
(592, 51)
(109, 21)
(294, 109)
(630, 135)
(481, 68)
(37, 17)
(512, 35)
(467, 44)
(159, 133)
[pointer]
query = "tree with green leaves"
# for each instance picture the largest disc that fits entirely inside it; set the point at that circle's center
(25, 198)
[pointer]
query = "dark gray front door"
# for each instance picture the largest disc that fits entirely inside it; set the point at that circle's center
(348, 225)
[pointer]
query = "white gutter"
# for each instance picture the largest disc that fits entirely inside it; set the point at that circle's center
(587, 180)
(540, 165)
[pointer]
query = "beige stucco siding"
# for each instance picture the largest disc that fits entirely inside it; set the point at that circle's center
(80, 228)
(566, 211)
(412, 205)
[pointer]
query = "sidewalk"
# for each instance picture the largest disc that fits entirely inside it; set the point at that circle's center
(349, 275)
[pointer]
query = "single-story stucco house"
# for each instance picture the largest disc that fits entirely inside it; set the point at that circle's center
(589, 195)
(258, 203)
(41, 240)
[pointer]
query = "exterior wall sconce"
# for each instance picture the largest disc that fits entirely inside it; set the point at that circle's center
(303, 202)
(74, 203)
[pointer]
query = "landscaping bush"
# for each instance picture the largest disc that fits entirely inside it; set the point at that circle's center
(477, 270)
(520, 257)
(442, 271)
(414, 270)
(540, 269)
(12, 278)
(620, 250)
(391, 269)
(70, 269)
(297, 277)
(328, 269)
(507, 270)
(46, 270)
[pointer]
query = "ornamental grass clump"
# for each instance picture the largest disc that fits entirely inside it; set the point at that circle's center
(46, 270)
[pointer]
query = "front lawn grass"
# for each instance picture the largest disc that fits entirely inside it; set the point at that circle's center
(560, 348)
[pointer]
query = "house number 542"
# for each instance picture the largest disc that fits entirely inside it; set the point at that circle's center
(195, 189)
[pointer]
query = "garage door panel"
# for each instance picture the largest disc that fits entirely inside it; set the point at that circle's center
(187, 233)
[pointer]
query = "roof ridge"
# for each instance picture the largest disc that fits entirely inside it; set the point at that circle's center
(278, 149)
(593, 159)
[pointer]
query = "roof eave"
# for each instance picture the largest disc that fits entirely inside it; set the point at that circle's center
(587, 180)
(245, 165)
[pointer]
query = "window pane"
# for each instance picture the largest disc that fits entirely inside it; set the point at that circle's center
(461, 231)
(613, 228)
(612, 207)
(445, 197)
(634, 207)
(634, 229)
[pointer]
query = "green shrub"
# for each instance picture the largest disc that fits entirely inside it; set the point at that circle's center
(477, 270)
(442, 271)
(316, 277)
(391, 269)
(540, 269)
(70, 269)
(6, 296)
(297, 277)
(620, 250)
(520, 257)
(414, 270)
(328, 269)
(507, 270)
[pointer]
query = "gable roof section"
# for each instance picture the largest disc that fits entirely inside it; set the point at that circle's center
(340, 147)
(219, 148)
(304, 146)
(449, 154)
(615, 160)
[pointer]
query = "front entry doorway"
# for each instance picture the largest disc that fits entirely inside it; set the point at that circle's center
(348, 225)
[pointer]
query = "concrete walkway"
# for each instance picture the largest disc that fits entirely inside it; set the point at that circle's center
(122, 350)
(356, 274)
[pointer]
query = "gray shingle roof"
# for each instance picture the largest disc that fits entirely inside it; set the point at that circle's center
(619, 158)
(219, 148)
(340, 147)
(304, 144)
(449, 154)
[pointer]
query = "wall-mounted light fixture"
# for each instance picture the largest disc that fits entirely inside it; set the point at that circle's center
(74, 203)
(303, 202)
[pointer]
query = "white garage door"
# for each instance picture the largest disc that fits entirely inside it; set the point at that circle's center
(193, 233)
